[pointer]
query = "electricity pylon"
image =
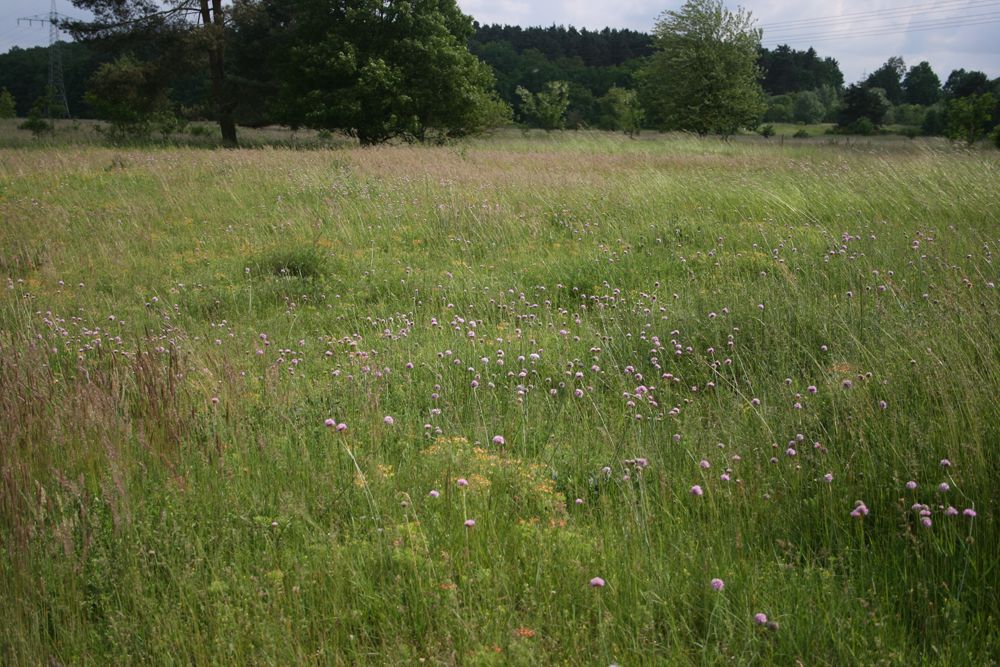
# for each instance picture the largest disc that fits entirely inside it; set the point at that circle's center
(56, 100)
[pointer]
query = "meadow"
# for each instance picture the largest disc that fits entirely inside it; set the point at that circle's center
(519, 400)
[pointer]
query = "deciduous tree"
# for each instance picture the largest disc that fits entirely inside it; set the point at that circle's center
(704, 76)
(191, 25)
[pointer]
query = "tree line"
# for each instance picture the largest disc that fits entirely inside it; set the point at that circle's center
(421, 70)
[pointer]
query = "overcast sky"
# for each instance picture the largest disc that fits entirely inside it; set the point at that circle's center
(860, 34)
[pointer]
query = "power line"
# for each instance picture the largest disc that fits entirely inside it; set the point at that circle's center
(944, 5)
(912, 25)
(56, 93)
(961, 23)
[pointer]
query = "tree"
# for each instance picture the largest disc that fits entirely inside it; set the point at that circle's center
(375, 69)
(963, 84)
(968, 116)
(546, 108)
(780, 109)
(789, 71)
(621, 111)
(191, 26)
(8, 106)
(808, 108)
(862, 103)
(889, 77)
(704, 75)
(921, 85)
(128, 95)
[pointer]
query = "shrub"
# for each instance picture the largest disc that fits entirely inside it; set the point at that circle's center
(127, 94)
(801, 134)
(767, 131)
(808, 108)
(36, 123)
(8, 106)
(863, 126)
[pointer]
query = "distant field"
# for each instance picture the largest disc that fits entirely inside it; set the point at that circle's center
(515, 401)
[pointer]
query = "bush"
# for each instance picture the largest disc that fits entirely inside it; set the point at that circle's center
(127, 94)
(808, 108)
(36, 123)
(935, 122)
(780, 109)
(995, 136)
(801, 134)
(863, 126)
(8, 106)
(767, 131)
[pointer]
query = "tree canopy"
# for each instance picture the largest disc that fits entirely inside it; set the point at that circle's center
(704, 75)
(374, 69)
(921, 85)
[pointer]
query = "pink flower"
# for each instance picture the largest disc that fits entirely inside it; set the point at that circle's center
(760, 619)
(911, 485)
(499, 440)
(389, 421)
(943, 487)
(341, 427)
(469, 523)
(705, 464)
(330, 423)
(697, 490)
(597, 582)
(718, 584)
(434, 493)
(462, 482)
(579, 501)
(969, 512)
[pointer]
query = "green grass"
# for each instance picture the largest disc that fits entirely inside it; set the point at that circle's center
(177, 324)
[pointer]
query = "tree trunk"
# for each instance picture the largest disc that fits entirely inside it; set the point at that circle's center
(223, 102)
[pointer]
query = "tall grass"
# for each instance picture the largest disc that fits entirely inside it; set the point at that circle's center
(793, 330)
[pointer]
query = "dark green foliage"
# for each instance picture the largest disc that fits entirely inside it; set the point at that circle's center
(808, 108)
(780, 109)
(183, 38)
(801, 134)
(621, 111)
(8, 105)
(889, 77)
(591, 62)
(25, 72)
(968, 117)
(704, 76)
(789, 71)
(130, 96)
(863, 126)
(935, 122)
(921, 85)
(862, 103)
(909, 114)
(767, 131)
(963, 84)
(36, 123)
(375, 70)
(546, 108)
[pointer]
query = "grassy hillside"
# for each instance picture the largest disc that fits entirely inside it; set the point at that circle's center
(515, 401)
